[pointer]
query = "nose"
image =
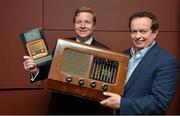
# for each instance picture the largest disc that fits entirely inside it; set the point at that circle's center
(83, 25)
(138, 35)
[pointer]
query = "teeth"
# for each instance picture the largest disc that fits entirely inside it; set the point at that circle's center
(82, 31)
(139, 41)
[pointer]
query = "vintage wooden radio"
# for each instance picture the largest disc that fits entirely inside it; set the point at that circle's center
(86, 71)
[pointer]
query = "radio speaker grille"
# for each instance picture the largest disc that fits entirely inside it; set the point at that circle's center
(75, 63)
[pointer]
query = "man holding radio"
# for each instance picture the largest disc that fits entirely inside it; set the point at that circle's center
(152, 72)
(84, 24)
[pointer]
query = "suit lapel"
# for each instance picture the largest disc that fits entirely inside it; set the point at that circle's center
(147, 60)
(93, 42)
(73, 38)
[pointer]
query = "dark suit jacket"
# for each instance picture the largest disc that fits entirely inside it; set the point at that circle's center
(66, 104)
(152, 85)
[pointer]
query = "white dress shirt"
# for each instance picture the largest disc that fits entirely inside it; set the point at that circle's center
(135, 59)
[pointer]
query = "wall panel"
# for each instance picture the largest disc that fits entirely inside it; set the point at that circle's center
(18, 16)
(111, 14)
(24, 102)
(18, 95)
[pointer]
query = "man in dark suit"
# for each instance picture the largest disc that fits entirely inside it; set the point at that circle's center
(152, 72)
(84, 23)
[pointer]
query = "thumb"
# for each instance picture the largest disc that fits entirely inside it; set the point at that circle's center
(108, 94)
(26, 57)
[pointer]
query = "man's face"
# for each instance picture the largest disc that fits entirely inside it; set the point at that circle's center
(141, 33)
(84, 25)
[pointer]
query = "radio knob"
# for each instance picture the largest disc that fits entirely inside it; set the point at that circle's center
(69, 78)
(105, 87)
(81, 81)
(93, 84)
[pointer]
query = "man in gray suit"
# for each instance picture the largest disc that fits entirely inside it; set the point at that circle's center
(152, 72)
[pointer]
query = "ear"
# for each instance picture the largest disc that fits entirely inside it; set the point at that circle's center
(156, 33)
(93, 27)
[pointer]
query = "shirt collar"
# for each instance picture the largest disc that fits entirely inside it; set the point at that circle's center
(142, 52)
(88, 42)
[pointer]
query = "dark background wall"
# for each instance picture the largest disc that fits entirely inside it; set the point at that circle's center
(17, 94)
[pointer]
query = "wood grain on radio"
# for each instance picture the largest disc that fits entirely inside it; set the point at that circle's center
(86, 71)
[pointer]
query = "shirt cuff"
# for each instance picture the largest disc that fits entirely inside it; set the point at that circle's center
(33, 77)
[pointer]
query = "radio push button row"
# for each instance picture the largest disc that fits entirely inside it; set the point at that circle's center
(69, 78)
(105, 87)
(93, 84)
(81, 81)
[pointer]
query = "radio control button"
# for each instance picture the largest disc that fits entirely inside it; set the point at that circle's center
(93, 84)
(105, 87)
(81, 81)
(69, 78)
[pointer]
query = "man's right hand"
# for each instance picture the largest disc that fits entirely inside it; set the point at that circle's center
(30, 65)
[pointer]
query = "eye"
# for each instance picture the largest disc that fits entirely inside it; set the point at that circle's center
(88, 22)
(77, 22)
(144, 31)
(133, 31)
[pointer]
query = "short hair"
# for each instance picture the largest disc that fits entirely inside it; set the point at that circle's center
(85, 9)
(155, 23)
